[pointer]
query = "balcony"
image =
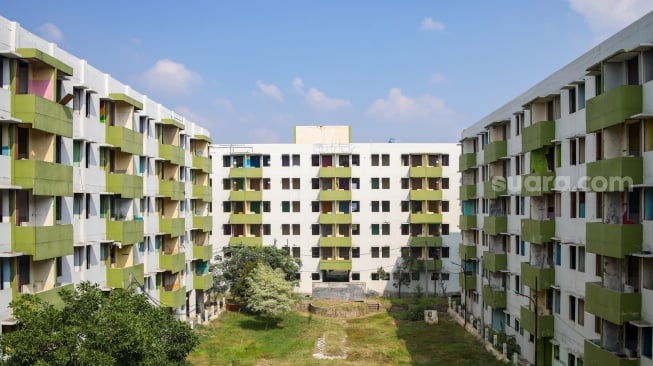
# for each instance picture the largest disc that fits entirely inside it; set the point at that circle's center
(335, 264)
(44, 242)
(467, 282)
(172, 189)
(495, 187)
(425, 218)
(43, 178)
(173, 154)
(426, 265)
(247, 241)
(245, 196)
(467, 192)
(466, 161)
(537, 278)
(335, 195)
(126, 232)
(544, 323)
(203, 163)
(495, 262)
(495, 225)
(467, 252)
(537, 184)
(494, 297)
(615, 175)
(613, 107)
(43, 114)
(614, 306)
(202, 192)
(335, 241)
(247, 219)
(245, 172)
(174, 226)
(125, 278)
(426, 195)
(203, 252)
(172, 262)
(425, 172)
(596, 355)
(172, 298)
(335, 172)
(537, 136)
(335, 218)
(467, 222)
(204, 223)
(425, 241)
(127, 140)
(536, 231)
(52, 295)
(126, 185)
(495, 151)
(613, 240)
(203, 282)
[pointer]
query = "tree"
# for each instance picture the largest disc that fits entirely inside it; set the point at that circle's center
(268, 292)
(94, 328)
(401, 275)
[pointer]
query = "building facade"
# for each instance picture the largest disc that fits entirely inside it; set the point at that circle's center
(97, 183)
(346, 209)
(557, 210)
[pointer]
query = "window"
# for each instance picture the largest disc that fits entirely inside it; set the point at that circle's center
(315, 276)
(315, 229)
(296, 206)
(558, 254)
(295, 229)
(295, 183)
(355, 276)
(385, 160)
(445, 252)
(556, 301)
(445, 229)
(315, 183)
(355, 252)
(445, 160)
(285, 206)
(405, 229)
(385, 229)
(572, 152)
(285, 160)
(375, 252)
(572, 257)
(405, 183)
(285, 229)
(59, 265)
(385, 252)
(572, 308)
(285, 183)
(445, 183)
(355, 206)
(315, 206)
(572, 100)
(58, 208)
(375, 159)
(267, 229)
(295, 159)
(355, 183)
(375, 206)
(315, 252)
(385, 183)
(375, 229)
(375, 183)
(385, 206)
(77, 205)
(414, 276)
(375, 276)
(445, 206)
(405, 206)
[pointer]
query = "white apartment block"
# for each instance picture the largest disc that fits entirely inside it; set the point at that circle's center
(97, 183)
(346, 209)
(557, 202)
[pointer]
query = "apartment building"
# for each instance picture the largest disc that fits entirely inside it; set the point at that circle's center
(97, 183)
(346, 209)
(557, 210)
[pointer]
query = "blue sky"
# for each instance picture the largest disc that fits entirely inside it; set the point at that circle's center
(416, 71)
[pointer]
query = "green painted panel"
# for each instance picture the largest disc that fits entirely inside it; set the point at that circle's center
(335, 241)
(173, 189)
(467, 222)
(425, 241)
(248, 241)
(335, 218)
(172, 122)
(494, 297)
(614, 306)
(203, 193)
(204, 223)
(245, 172)
(536, 277)
(335, 195)
(127, 232)
(425, 172)
(467, 281)
(203, 252)
(467, 252)
(430, 264)
(43, 178)
(615, 175)
(172, 262)
(425, 218)
(495, 262)
(44, 115)
(335, 172)
(594, 355)
(467, 192)
(35, 53)
(249, 196)
(544, 323)
(466, 161)
(127, 140)
(173, 298)
(246, 219)
(495, 225)
(537, 136)
(495, 151)
(201, 137)
(123, 277)
(173, 227)
(52, 295)
(173, 154)
(426, 195)
(494, 188)
(202, 163)
(613, 240)
(203, 282)
(613, 107)
(126, 185)
(537, 184)
(44, 242)
(122, 97)
(337, 265)
(536, 231)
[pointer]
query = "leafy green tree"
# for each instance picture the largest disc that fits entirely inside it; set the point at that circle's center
(268, 293)
(94, 328)
(401, 275)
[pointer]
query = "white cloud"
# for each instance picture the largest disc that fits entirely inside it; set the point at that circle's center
(318, 100)
(428, 24)
(263, 135)
(401, 108)
(270, 90)
(225, 103)
(437, 78)
(191, 116)
(170, 77)
(50, 32)
(298, 85)
(605, 17)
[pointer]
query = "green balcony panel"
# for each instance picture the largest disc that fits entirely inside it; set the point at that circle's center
(202, 163)
(537, 278)
(249, 196)
(172, 298)
(495, 225)
(172, 262)
(247, 241)
(44, 242)
(613, 107)
(335, 172)
(467, 252)
(52, 295)
(536, 231)
(173, 227)
(544, 323)
(495, 151)
(467, 192)
(126, 185)
(615, 175)
(466, 161)
(125, 232)
(204, 193)
(174, 154)
(425, 241)
(204, 223)
(335, 241)
(494, 297)
(426, 265)
(245, 172)
(537, 184)
(335, 218)
(127, 140)
(425, 218)
(335, 264)
(425, 172)
(593, 354)
(467, 222)
(203, 252)
(467, 282)
(172, 189)
(201, 137)
(613, 240)
(335, 195)
(125, 278)
(538, 135)
(495, 262)
(203, 282)
(614, 306)
(250, 219)
(426, 195)
(122, 97)
(43, 178)
(172, 122)
(55, 63)
(44, 115)
(494, 188)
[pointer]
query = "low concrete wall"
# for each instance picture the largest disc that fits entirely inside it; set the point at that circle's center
(342, 291)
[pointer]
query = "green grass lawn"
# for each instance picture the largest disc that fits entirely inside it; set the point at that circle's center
(386, 338)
